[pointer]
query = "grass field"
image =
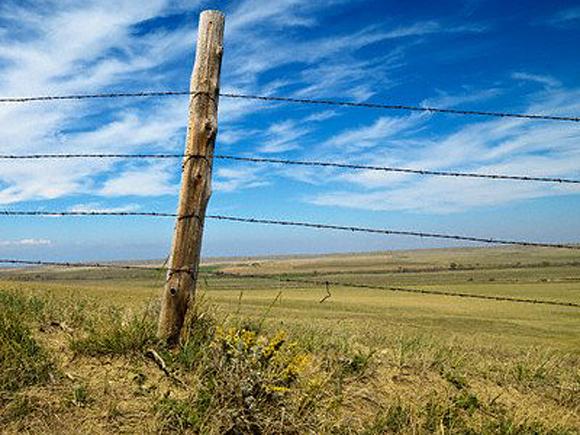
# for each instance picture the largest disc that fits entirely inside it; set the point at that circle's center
(362, 360)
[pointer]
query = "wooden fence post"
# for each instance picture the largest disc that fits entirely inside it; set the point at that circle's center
(196, 177)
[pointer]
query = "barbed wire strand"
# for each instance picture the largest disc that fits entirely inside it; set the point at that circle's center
(313, 163)
(294, 101)
(102, 95)
(391, 232)
(80, 265)
(404, 107)
(326, 283)
(487, 240)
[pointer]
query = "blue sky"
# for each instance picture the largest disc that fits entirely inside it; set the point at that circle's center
(488, 55)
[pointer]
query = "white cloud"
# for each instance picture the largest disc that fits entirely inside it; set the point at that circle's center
(37, 180)
(26, 242)
(152, 180)
(283, 136)
(440, 195)
(94, 46)
(77, 48)
(258, 41)
(383, 130)
(547, 81)
(321, 116)
(515, 147)
(281, 13)
(445, 99)
(235, 179)
(98, 207)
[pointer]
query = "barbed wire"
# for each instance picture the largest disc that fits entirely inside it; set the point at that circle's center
(98, 156)
(102, 95)
(324, 283)
(313, 163)
(391, 232)
(398, 170)
(90, 213)
(404, 107)
(487, 240)
(79, 265)
(294, 101)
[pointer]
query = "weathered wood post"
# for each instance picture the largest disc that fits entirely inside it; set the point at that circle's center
(196, 177)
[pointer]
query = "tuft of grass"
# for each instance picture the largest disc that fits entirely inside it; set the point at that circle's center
(456, 379)
(355, 363)
(178, 415)
(396, 418)
(80, 396)
(23, 362)
(112, 334)
(454, 414)
(199, 329)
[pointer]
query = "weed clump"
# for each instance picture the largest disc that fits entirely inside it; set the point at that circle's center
(247, 382)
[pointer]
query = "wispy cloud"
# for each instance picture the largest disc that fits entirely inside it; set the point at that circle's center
(446, 99)
(74, 48)
(236, 179)
(283, 136)
(546, 81)
(69, 47)
(329, 64)
(26, 242)
(155, 179)
(282, 14)
(384, 130)
(501, 146)
(98, 207)
(100, 45)
(321, 116)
